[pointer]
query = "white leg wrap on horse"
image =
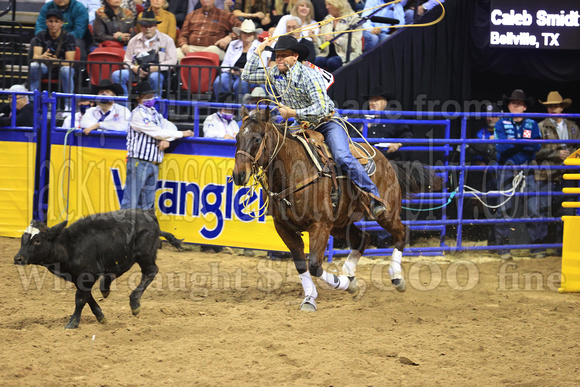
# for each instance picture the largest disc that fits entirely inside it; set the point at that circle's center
(349, 266)
(395, 270)
(340, 282)
(308, 285)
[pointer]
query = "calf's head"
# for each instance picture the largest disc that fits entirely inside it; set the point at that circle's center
(37, 243)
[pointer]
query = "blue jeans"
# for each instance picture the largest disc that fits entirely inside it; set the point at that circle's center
(227, 82)
(330, 64)
(66, 74)
(123, 77)
(510, 209)
(551, 206)
(372, 40)
(140, 184)
(337, 140)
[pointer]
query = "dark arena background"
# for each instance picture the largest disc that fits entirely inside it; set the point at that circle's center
(226, 310)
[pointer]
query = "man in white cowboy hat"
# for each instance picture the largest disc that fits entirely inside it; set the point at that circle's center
(553, 155)
(107, 114)
(516, 128)
(235, 59)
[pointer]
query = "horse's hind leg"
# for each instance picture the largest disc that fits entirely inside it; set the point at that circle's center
(357, 241)
(296, 246)
(394, 226)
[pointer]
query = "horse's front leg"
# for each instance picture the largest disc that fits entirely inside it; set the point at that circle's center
(319, 235)
(296, 246)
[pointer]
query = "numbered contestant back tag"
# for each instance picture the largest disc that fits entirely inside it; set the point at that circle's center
(328, 77)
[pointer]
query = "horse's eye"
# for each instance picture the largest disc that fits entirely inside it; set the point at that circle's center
(257, 140)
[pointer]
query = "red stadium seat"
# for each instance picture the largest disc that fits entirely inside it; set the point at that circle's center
(111, 43)
(140, 8)
(199, 80)
(98, 71)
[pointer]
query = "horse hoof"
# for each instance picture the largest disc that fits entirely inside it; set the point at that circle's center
(308, 305)
(136, 311)
(102, 320)
(71, 325)
(353, 285)
(400, 284)
(308, 308)
(105, 293)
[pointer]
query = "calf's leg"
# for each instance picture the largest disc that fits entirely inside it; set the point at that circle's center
(81, 298)
(148, 273)
(97, 310)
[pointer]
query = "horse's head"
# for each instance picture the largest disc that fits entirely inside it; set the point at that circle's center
(251, 144)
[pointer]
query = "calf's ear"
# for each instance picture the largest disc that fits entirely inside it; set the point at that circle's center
(55, 231)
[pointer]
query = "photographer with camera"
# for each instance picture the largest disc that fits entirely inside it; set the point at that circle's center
(146, 54)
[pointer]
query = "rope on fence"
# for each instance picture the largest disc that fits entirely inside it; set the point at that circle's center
(518, 179)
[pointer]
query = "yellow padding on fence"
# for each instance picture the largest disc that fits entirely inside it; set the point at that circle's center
(571, 204)
(571, 176)
(571, 190)
(571, 255)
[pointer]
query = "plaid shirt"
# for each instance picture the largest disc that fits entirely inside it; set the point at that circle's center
(306, 93)
(204, 29)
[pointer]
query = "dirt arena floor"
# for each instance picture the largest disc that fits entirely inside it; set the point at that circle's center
(226, 319)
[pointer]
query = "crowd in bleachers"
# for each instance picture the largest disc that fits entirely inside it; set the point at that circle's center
(156, 35)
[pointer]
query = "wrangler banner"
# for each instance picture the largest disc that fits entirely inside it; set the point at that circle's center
(195, 200)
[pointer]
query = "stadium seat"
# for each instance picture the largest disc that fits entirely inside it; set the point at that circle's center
(98, 71)
(111, 43)
(199, 80)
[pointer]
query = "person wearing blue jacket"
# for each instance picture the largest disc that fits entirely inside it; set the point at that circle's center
(76, 21)
(516, 128)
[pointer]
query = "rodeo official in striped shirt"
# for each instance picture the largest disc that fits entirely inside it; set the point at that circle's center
(148, 136)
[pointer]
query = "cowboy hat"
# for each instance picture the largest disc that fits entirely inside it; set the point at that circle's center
(288, 42)
(106, 84)
(378, 91)
(143, 88)
(248, 27)
(554, 98)
(518, 95)
(148, 18)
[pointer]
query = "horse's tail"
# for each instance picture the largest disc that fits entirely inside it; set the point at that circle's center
(415, 177)
(172, 240)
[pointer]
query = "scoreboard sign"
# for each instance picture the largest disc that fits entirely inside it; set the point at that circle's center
(536, 24)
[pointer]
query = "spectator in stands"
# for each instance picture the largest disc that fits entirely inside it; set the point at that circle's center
(148, 136)
(222, 124)
(292, 23)
(207, 29)
(426, 6)
(235, 59)
(335, 55)
(380, 31)
(53, 45)
(257, 11)
(378, 101)
(166, 19)
(281, 8)
(113, 23)
(75, 21)
(483, 154)
(304, 10)
(24, 109)
(254, 97)
(82, 106)
(146, 55)
(107, 115)
(516, 128)
(552, 155)
(182, 8)
(91, 5)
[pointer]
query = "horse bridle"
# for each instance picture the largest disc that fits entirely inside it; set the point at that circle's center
(254, 159)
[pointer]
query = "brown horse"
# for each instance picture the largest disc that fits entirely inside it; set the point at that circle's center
(300, 200)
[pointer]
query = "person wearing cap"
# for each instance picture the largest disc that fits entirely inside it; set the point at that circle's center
(24, 109)
(235, 59)
(553, 155)
(222, 124)
(482, 154)
(379, 100)
(516, 128)
(207, 29)
(148, 136)
(75, 21)
(107, 115)
(167, 23)
(113, 23)
(146, 55)
(53, 45)
(309, 103)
